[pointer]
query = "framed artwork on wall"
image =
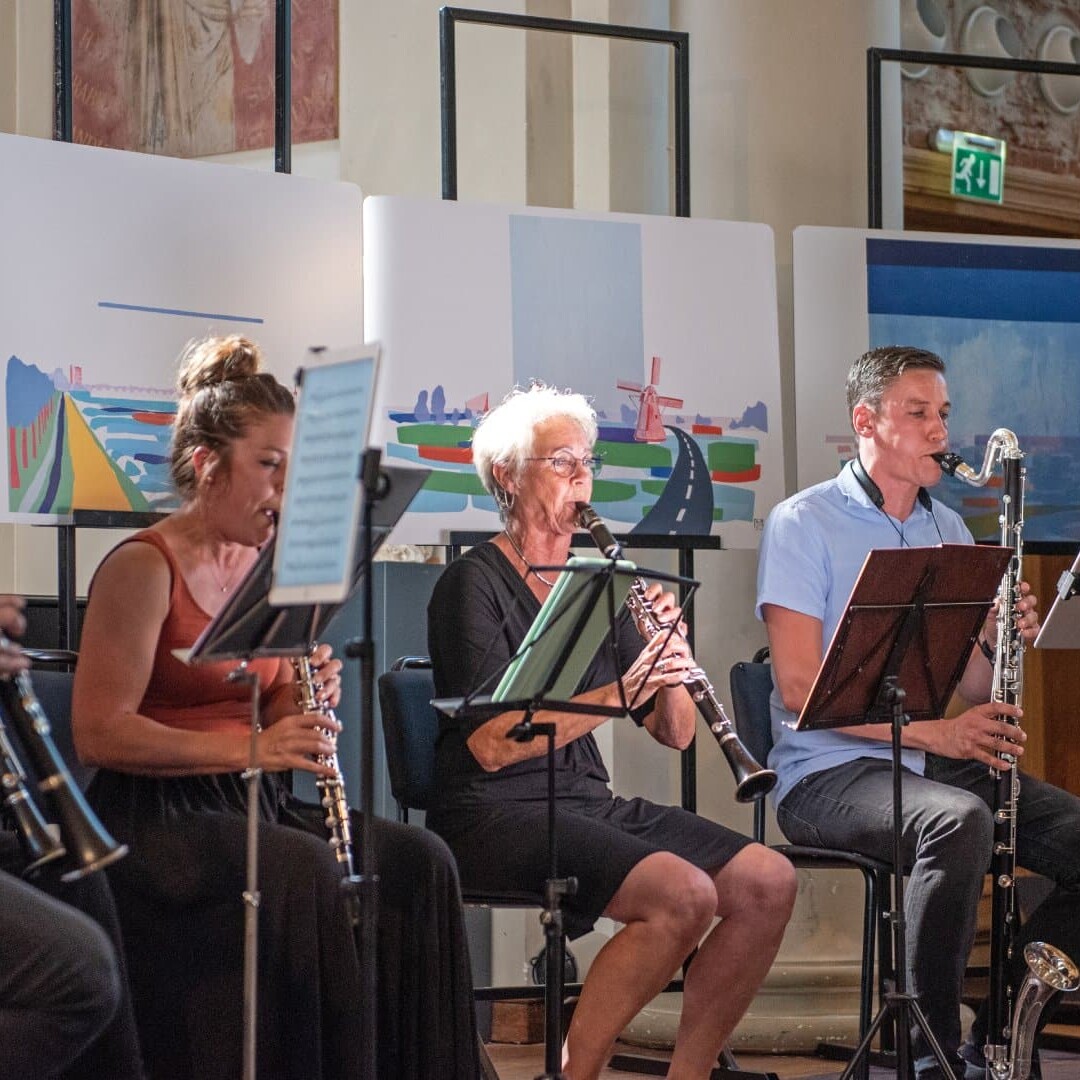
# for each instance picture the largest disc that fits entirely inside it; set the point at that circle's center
(194, 78)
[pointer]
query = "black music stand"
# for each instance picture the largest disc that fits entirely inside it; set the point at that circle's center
(598, 586)
(248, 628)
(898, 653)
(1061, 627)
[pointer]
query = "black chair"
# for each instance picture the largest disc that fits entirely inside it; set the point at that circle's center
(410, 726)
(751, 686)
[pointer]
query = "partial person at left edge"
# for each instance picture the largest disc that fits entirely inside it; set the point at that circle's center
(65, 1010)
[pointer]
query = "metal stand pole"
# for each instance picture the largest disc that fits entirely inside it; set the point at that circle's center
(251, 776)
(363, 888)
(900, 1002)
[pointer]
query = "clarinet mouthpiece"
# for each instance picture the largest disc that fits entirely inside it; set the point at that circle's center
(589, 519)
(954, 465)
(948, 462)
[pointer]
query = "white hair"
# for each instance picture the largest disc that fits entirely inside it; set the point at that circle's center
(506, 435)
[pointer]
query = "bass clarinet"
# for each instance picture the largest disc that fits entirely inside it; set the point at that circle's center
(1012, 1021)
(331, 788)
(751, 780)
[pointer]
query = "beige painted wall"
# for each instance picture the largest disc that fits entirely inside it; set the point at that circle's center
(777, 135)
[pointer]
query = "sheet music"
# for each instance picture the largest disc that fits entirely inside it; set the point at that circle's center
(317, 531)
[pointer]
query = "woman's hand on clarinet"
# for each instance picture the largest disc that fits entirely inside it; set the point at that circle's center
(327, 675)
(296, 741)
(664, 608)
(661, 665)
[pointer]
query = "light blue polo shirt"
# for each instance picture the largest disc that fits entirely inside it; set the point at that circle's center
(812, 550)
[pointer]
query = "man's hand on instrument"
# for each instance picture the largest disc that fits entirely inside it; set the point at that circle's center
(979, 735)
(1027, 618)
(1027, 613)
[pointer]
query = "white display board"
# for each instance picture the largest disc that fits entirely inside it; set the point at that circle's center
(467, 300)
(114, 261)
(1000, 311)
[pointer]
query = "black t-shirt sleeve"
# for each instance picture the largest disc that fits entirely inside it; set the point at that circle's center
(467, 639)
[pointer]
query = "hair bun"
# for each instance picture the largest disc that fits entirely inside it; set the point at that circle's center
(215, 360)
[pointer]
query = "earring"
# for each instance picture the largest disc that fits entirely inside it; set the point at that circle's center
(504, 500)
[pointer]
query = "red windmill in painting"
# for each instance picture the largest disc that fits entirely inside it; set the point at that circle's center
(650, 423)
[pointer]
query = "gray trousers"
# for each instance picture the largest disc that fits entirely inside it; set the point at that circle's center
(947, 831)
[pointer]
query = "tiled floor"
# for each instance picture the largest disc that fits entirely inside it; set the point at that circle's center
(527, 1062)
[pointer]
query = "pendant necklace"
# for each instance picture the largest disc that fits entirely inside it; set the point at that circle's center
(528, 567)
(229, 581)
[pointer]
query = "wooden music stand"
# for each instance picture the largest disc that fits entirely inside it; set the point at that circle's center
(897, 655)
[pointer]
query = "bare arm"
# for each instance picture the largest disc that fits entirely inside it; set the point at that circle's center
(116, 658)
(795, 647)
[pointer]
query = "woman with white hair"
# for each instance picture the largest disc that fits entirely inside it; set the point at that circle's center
(661, 871)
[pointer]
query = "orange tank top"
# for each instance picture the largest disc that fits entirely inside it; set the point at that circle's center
(194, 697)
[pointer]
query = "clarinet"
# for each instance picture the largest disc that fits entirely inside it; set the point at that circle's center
(331, 788)
(1010, 1041)
(38, 842)
(83, 838)
(751, 780)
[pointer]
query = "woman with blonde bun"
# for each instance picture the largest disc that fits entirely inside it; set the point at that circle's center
(171, 741)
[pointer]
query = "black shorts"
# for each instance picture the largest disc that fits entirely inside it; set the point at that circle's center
(503, 847)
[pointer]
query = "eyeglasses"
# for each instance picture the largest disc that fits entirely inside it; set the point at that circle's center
(565, 465)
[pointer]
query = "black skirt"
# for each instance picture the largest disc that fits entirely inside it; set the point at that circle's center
(179, 897)
(503, 846)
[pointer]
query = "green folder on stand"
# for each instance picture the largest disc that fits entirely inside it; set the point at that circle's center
(567, 631)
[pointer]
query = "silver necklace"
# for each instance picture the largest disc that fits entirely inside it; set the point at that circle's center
(528, 566)
(229, 581)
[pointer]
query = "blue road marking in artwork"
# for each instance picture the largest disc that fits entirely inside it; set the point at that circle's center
(57, 469)
(179, 311)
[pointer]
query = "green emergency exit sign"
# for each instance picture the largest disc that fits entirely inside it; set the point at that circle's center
(978, 167)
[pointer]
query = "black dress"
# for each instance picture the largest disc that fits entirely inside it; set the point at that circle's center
(496, 823)
(179, 896)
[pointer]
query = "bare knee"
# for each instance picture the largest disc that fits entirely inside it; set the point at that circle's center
(758, 881)
(674, 897)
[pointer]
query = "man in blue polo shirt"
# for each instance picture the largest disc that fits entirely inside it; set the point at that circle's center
(835, 786)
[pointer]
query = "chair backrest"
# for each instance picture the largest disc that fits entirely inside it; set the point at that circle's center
(53, 690)
(751, 686)
(410, 726)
